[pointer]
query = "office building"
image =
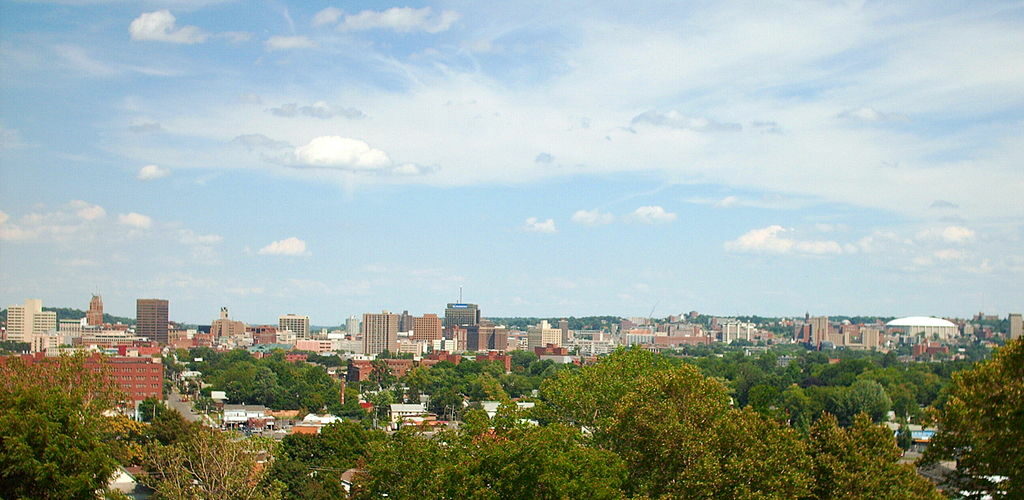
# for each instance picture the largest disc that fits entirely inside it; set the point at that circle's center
(224, 327)
(461, 315)
(541, 335)
(380, 333)
(1016, 326)
(94, 316)
(563, 325)
(486, 337)
(426, 327)
(352, 325)
(25, 320)
(299, 325)
(151, 319)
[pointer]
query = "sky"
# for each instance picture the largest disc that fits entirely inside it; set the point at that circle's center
(552, 158)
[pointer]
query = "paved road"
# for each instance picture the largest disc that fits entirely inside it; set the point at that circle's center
(184, 407)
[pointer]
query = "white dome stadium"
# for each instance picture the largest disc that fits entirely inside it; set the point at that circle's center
(913, 321)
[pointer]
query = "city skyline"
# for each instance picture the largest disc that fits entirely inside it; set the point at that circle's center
(564, 159)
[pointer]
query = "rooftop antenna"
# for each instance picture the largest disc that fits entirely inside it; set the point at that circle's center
(460, 294)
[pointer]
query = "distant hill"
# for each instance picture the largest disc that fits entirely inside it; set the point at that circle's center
(69, 313)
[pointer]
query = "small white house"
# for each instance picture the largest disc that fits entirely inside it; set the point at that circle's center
(238, 415)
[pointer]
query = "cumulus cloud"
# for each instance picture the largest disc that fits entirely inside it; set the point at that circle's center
(289, 42)
(141, 128)
(535, 225)
(771, 240)
(253, 142)
(87, 211)
(400, 19)
(342, 153)
(190, 237)
(592, 217)
(287, 246)
(943, 204)
(544, 158)
(319, 109)
(865, 114)
(330, 15)
(151, 172)
(160, 26)
(951, 234)
(135, 220)
(675, 119)
(652, 215)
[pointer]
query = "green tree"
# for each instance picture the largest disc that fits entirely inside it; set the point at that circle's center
(310, 465)
(54, 440)
(211, 464)
(861, 461)
(682, 421)
(981, 425)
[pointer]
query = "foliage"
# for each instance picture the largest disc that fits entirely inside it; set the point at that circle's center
(588, 397)
(310, 465)
(11, 346)
(982, 425)
(704, 448)
(861, 462)
(54, 440)
(211, 464)
(552, 462)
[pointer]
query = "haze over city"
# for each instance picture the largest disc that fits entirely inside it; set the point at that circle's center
(330, 159)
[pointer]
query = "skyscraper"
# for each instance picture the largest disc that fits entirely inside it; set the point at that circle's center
(151, 319)
(461, 315)
(224, 327)
(1016, 326)
(94, 316)
(299, 325)
(427, 327)
(352, 325)
(25, 320)
(380, 333)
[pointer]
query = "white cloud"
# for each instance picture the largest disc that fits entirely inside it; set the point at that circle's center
(287, 246)
(9, 138)
(535, 225)
(159, 26)
(330, 15)
(769, 240)
(341, 152)
(135, 220)
(401, 19)
(319, 109)
(957, 234)
(151, 172)
(652, 215)
(592, 217)
(870, 115)
(727, 202)
(951, 234)
(289, 42)
(675, 119)
(189, 237)
(87, 211)
(949, 254)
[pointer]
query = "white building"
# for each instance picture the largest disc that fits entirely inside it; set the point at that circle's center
(24, 320)
(924, 328)
(399, 412)
(295, 323)
(542, 335)
(236, 415)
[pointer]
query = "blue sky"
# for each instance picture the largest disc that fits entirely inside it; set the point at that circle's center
(554, 158)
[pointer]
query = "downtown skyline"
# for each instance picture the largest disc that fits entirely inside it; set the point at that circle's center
(333, 158)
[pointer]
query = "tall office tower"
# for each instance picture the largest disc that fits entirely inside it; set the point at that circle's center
(486, 337)
(461, 315)
(819, 329)
(426, 327)
(94, 316)
(352, 325)
(299, 325)
(151, 319)
(563, 325)
(1016, 326)
(224, 327)
(25, 320)
(380, 333)
(405, 322)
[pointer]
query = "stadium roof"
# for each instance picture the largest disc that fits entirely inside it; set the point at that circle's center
(919, 321)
